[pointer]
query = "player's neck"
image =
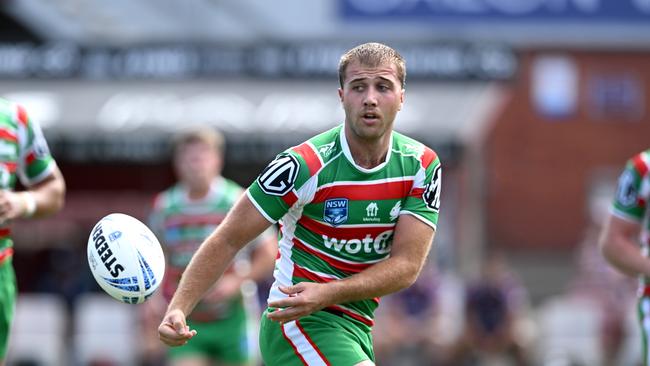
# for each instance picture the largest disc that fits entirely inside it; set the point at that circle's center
(197, 192)
(369, 153)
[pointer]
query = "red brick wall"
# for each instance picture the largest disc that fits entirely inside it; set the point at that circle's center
(538, 169)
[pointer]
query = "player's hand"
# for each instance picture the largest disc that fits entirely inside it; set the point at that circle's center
(228, 286)
(304, 298)
(12, 205)
(173, 330)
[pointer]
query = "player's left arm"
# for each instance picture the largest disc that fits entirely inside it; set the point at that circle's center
(618, 244)
(411, 245)
(42, 199)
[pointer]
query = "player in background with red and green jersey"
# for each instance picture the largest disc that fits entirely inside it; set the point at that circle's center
(24, 155)
(625, 240)
(358, 208)
(182, 217)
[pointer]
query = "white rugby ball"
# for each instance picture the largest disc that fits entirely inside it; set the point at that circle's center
(125, 258)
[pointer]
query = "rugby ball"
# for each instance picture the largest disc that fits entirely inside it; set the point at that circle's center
(125, 258)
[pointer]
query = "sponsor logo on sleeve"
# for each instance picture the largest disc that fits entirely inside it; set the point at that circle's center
(278, 178)
(431, 193)
(626, 193)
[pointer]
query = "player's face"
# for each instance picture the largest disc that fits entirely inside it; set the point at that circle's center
(197, 163)
(371, 98)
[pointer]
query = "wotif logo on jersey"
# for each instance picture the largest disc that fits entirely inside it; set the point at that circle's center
(335, 211)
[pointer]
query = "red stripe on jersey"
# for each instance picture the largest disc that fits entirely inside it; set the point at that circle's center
(340, 265)
(295, 349)
(343, 233)
(290, 198)
(304, 273)
(8, 135)
(194, 220)
(416, 192)
(365, 192)
(30, 157)
(322, 356)
(10, 165)
(640, 165)
(6, 253)
(641, 202)
(22, 116)
(358, 317)
(428, 156)
(312, 160)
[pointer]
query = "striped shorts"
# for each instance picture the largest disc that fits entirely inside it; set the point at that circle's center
(322, 338)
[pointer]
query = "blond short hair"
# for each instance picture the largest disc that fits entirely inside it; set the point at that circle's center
(373, 55)
(207, 135)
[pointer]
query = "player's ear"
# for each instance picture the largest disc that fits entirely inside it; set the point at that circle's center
(401, 99)
(340, 90)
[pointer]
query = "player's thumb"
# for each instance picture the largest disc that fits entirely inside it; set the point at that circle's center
(291, 290)
(177, 320)
(179, 326)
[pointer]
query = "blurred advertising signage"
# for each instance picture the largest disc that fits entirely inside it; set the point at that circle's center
(453, 60)
(584, 11)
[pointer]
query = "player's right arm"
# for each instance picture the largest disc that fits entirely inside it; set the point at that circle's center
(242, 224)
(619, 238)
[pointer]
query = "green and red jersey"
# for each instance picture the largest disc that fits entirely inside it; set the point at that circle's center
(182, 224)
(338, 218)
(24, 154)
(632, 196)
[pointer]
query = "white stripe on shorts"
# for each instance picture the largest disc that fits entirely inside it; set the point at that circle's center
(302, 344)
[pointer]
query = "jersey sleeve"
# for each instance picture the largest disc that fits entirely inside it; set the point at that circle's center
(423, 200)
(274, 191)
(629, 201)
(35, 161)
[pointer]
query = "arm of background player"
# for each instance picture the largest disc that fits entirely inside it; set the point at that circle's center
(48, 197)
(260, 267)
(263, 259)
(242, 224)
(410, 248)
(618, 243)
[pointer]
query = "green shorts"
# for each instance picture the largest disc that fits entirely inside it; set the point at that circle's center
(7, 303)
(321, 338)
(226, 340)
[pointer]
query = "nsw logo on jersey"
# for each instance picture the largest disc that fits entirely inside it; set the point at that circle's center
(280, 175)
(431, 193)
(335, 211)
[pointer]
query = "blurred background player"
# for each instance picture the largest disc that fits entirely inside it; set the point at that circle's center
(25, 155)
(183, 216)
(627, 226)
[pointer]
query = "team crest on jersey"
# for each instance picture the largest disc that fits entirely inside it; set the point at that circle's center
(327, 149)
(280, 175)
(335, 211)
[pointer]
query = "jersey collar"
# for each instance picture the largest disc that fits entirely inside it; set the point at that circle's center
(348, 153)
